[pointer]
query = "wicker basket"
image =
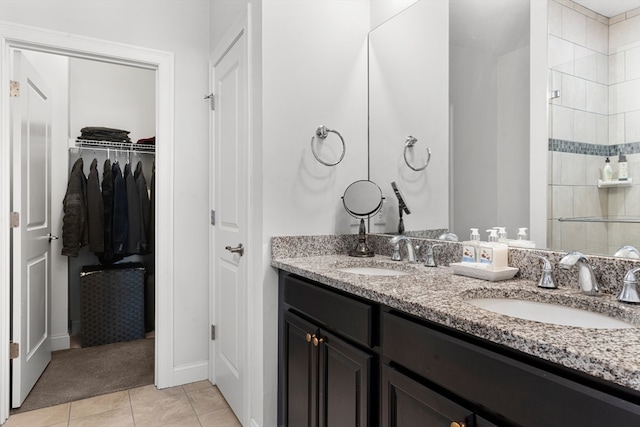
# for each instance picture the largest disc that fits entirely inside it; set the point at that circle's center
(112, 300)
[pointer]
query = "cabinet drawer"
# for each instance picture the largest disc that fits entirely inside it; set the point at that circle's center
(406, 403)
(346, 316)
(524, 394)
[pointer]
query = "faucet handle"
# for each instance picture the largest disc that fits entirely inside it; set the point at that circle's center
(546, 279)
(629, 292)
(429, 260)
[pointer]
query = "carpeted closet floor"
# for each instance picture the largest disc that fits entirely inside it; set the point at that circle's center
(79, 373)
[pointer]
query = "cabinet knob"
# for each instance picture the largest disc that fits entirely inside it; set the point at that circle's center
(458, 424)
(317, 341)
(309, 337)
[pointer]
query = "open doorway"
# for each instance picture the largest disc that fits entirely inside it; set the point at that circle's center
(97, 298)
(17, 37)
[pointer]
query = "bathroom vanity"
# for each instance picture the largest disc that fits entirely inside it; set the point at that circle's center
(407, 350)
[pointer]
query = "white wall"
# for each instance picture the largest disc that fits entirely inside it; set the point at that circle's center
(112, 95)
(381, 10)
(181, 27)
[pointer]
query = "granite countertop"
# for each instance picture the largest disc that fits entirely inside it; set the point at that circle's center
(437, 295)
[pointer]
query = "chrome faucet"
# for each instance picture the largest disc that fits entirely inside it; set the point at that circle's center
(411, 253)
(627, 252)
(586, 279)
(546, 280)
(629, 292)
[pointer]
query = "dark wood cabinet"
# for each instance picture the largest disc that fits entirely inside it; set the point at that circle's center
(300, 364)
(407, 403)
(325, 379)
(344, 379)
(346, 361)
(500, 386)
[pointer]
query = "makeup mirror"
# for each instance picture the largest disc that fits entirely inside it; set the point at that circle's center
(362, 199)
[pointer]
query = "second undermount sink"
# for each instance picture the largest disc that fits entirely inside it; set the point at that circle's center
(372, 271)
(549, 313)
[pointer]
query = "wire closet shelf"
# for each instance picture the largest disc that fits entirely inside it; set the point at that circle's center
(131, 147)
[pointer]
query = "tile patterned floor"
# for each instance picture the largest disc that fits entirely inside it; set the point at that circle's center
(193, 405)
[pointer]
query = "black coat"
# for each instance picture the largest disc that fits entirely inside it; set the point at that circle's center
(145, 207)
(120, 229)
(74, 223)
(134, 214)
(95, 210)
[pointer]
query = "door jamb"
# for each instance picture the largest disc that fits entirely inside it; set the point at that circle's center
(32, 38)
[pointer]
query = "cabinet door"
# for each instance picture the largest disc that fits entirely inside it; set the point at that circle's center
(407, 403)
(344, 384)
(300, 373)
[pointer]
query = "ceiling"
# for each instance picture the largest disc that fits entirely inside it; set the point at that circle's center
(609, 8)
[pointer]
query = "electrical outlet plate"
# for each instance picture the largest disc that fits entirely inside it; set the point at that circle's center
(379, 218)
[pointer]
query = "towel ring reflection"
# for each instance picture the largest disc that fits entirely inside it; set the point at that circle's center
(410, 142)
(322, 133)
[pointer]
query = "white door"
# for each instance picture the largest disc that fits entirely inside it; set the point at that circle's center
(31, 144)
(230, 190)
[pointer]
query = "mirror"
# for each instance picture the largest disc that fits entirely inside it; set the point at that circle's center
(468, 101)
(362, 199)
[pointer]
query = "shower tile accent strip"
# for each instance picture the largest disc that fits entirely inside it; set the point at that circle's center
(593, 149)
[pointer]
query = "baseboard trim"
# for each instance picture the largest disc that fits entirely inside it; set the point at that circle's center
(60, 342)
(190, 373)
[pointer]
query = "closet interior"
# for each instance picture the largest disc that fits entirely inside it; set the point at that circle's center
(110, 290)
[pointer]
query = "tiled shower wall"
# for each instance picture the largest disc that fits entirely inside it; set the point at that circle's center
(594, 62)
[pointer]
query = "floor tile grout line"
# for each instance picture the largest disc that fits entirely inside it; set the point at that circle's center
(191, 404)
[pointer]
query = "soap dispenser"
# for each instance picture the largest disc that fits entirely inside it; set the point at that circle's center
(502, 234)
(470, 247)
(522, 241)
(623, 168)
(607, 172)
(493, 254)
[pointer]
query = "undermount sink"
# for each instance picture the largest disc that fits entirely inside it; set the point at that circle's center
(372, 271)
(549, 313)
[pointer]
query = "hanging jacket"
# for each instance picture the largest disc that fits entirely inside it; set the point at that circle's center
(151, 233)
(134, 215)
(74, 222)
(95, 210)
(120, 212)
(108, 256)
(145, 207)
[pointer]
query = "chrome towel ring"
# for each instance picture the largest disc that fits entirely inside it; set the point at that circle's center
(322, 133)
(410, 142)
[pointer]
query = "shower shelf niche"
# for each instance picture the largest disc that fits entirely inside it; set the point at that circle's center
(614, 183)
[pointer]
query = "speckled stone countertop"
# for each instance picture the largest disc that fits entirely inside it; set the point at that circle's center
(437, 295)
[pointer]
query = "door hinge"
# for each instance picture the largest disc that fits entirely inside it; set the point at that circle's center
(14, 89)
(213, 332)
(212, 101)
(14, 221)
(213, 217)
(14, 350)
